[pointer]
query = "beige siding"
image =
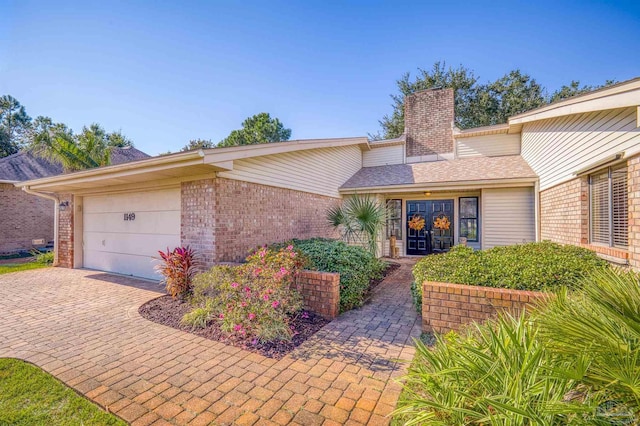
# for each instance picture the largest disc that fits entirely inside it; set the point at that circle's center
(507, 216)
(318, 171)
(383, 156)
(557, 148)
(488, 146)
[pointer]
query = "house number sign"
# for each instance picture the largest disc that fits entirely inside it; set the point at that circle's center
(129, 216)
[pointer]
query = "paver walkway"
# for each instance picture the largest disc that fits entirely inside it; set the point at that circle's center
(84, 328)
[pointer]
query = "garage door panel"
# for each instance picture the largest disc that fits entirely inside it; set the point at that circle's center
(144, 222)
(168, 199)
(135, 244)
(139, 266)
(113, 244)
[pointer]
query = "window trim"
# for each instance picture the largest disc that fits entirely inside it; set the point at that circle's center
(399, 218)
(477, 218)
(610, 206)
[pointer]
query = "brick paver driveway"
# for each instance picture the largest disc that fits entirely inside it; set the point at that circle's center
(84, 328)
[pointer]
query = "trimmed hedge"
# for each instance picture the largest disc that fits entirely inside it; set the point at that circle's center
(356, 266)
(544, 266)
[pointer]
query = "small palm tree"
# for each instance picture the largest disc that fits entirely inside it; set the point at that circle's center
(360, 219)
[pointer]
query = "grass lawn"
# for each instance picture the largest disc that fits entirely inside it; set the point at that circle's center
(30, 396)
(15, 267)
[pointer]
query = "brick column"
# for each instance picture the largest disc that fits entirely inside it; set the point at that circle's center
(65, 231)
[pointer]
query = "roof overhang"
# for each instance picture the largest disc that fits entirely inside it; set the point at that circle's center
(482, 131)
(622, 95)
(9, 181)
(443, 186)
(176, 166)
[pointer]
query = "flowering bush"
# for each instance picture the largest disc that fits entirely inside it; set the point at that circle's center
(178, 268)
(256, 299)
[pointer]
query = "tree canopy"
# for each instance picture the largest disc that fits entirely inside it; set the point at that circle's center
(476, 104)
(258, 129)
(198, 144)
(55, 141)
(14, 125)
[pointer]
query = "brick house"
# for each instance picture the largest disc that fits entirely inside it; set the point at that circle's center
(567, 172)
(27, 221)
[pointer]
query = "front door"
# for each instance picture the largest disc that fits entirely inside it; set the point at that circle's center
(429, 226)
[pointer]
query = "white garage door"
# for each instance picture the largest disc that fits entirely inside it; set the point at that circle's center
(123, 232)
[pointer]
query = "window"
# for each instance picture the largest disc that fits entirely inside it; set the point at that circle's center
(608, 197)
(394, 220)
(469, 218)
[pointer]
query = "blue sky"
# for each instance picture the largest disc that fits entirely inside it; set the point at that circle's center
(165, 73)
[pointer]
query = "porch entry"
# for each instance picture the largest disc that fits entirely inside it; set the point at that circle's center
(435, 234)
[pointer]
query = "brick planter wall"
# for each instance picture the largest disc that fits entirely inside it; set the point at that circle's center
(320, 292)
(447, 307)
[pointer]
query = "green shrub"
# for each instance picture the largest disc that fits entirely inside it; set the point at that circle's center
(544, 266)
(254, 299)
(493, 374)
(199, 317)
(356, 266)
(205, 285)
(45, 258)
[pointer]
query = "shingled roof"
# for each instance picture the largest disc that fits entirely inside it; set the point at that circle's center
(25, 166)
(441, 172)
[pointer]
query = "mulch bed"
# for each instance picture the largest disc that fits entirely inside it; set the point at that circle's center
(168, 311)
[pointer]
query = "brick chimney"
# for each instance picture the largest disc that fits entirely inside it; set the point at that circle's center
(428, 122)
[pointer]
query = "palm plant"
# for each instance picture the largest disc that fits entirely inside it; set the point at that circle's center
(599, 326)
(360, 219)
(497, 373)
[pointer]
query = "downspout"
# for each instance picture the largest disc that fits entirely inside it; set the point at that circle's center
(537, 207)
(56, 218)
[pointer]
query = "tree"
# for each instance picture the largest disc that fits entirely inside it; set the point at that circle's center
(476, 104)
(574, 89)
(258, 129)
(14, 125)
(90, 148)
(198, 144)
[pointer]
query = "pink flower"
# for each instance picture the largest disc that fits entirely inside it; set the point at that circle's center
(252, 316)
(293, 254)
(289, 247)
(247, 290)
(283, 271)
(237, 327)
(244, 304)
(265, 297)
(234, 284)
(257, 271)
(275, 304)
(221, 316)
(305, 315)
(263, 253)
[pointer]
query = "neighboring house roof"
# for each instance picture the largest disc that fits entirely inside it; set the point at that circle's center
(127, 154)
(476, 169)
(24, 166)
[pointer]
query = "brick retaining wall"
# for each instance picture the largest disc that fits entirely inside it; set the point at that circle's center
(320, 292)
(448, 307)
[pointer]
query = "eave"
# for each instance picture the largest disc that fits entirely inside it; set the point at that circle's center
(442, 186)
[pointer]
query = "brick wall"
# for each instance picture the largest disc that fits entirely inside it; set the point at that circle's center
(248, 215)
(65, 232)
(634, 211)
(564, 212)
(320, 292)
(198, 222)
(448, 307)
(428, 121)
(24, 218)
